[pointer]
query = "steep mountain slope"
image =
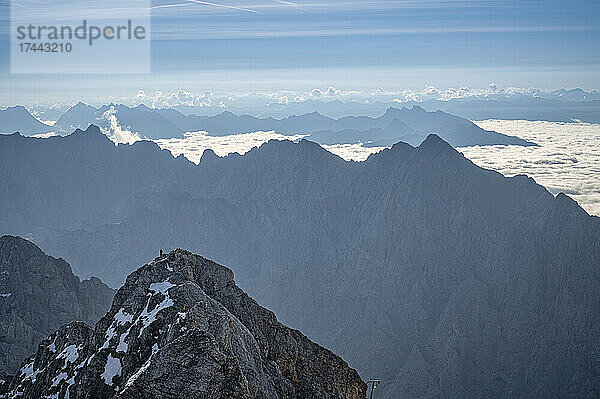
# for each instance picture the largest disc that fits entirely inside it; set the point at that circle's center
(38, 294)
(442, 278)
(62, 182)
(180, 327)
(18, 119)
(79, 116)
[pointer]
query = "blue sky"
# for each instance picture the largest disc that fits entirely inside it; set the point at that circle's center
(262, 45)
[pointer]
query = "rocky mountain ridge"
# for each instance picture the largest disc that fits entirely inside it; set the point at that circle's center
(417, 266)
(38, 294)
(180, 327)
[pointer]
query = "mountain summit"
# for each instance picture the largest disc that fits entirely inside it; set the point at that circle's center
(178, 328)
(38, 294)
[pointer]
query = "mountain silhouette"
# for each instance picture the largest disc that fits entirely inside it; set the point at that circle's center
(394, 125)
(18, 119)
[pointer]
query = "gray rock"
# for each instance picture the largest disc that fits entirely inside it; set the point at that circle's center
(416, 266)
(38, 294)
(180, 327)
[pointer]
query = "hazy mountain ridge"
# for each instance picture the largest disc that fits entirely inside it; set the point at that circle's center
(394, 125)
(39, 294)
(17, 118)
(442, 278)
(180, 327)
(476, 104)
(88, 174)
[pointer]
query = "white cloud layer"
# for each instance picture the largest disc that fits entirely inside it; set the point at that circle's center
(352, 152)
(567, 159)
(193, 144)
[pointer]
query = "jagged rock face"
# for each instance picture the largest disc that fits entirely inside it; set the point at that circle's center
(38, 294)
(180, 327)
(416, 266)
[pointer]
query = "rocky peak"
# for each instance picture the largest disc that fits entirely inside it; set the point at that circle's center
(208, 155)
(433, 142)
(38, 294)
(180, 327)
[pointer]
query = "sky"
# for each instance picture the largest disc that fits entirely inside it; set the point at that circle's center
(248, 46)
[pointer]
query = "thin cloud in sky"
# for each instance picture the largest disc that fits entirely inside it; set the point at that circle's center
(288, 3)
(232, 32)
(172, 5)
(223, 6)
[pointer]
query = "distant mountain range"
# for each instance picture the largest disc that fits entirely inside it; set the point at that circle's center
(38, 294)
(18, 119)
(181, 328)
(560, 105)
(409, 125)
(472, 108)
(442, 278)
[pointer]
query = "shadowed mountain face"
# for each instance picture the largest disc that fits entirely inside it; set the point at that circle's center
(411, 125)
(442, 278)
(180, 327)
(18, 119)
(81, 179)
(38, 294)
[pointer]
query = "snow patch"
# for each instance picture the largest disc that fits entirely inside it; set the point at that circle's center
(122, 347)
(123, 317)
(59, 378)
(110, 333)
(70, 354)
(120, 318)
(52, 346)
(111, 369)
(143, 368)
(161, 287)
(28, 372)
(148, 317)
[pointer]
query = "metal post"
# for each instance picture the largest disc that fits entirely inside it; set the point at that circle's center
(374, 384)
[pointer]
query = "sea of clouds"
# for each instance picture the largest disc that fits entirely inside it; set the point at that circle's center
(567, 159)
